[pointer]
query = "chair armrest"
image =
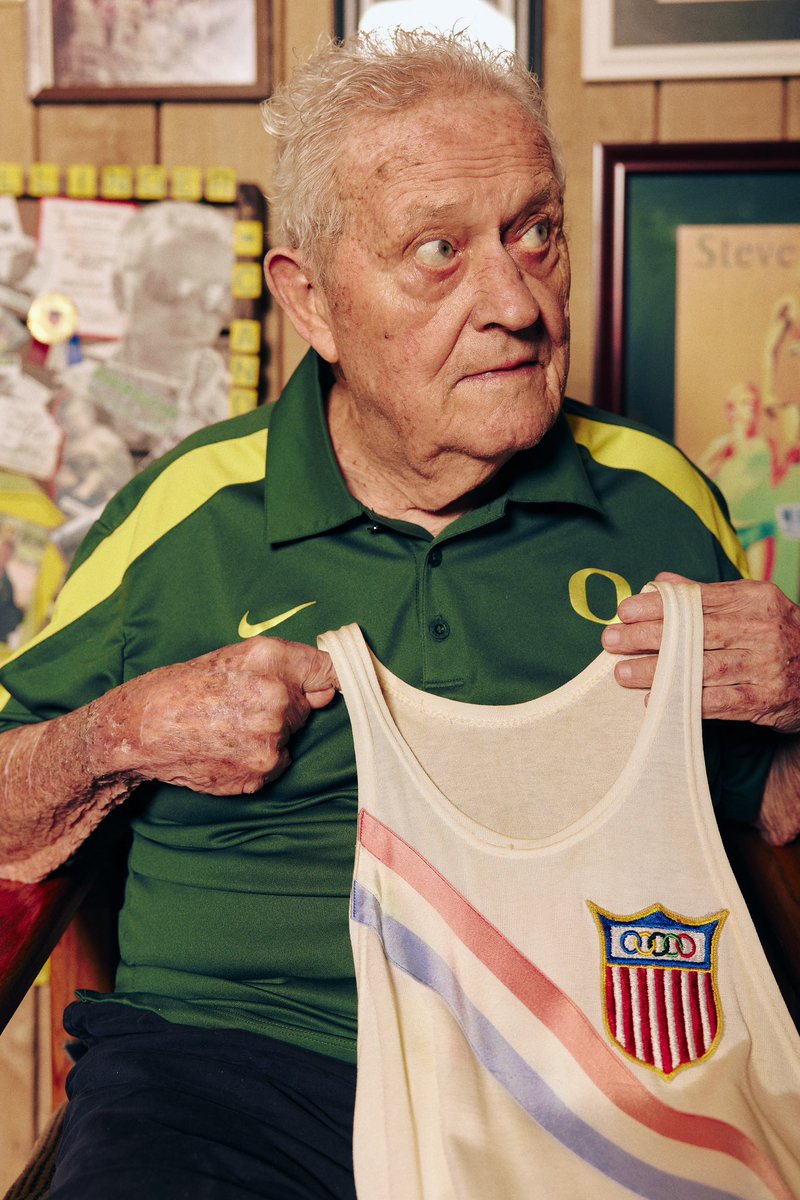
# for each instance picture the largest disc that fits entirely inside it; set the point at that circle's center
(33, 917)
(769, 878)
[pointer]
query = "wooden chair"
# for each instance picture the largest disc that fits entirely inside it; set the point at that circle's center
(72, 918)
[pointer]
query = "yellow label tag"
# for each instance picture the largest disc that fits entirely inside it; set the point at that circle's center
(82, 181)
(247, 280)
(245, 337)
(151, 182)
(44, 179)
(245, 370)
(248, 239)
(187, 183)
(221, 185)
(12, 179)
(242, 400)
(116, 183)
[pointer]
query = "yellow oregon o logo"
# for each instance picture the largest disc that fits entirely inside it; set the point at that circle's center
(580, 601)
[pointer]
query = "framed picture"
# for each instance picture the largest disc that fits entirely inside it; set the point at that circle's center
(689, 39)
(698, 321)
(505, 24)
(85, 50)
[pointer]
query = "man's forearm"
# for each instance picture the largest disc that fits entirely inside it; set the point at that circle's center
(779, 819)
(57, 783)
(217, 724)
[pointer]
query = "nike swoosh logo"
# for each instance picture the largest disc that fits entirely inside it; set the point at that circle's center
(246, 630)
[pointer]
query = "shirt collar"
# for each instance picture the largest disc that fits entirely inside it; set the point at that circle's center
(305, 491)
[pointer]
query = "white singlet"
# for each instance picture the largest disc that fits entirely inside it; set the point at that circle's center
(560, 991)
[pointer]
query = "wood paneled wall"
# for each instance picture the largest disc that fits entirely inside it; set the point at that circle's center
(230, 134)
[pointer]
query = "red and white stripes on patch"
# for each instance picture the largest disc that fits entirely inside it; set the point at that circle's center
(662, 1016)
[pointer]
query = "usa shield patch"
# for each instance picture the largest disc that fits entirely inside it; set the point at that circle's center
(659, 985)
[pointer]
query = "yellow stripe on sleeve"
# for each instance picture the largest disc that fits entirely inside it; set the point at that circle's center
(181, 488)
(633, 450)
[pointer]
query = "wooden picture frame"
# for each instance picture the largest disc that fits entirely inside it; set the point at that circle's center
(665, 185)
(697, 293)
(689, 39)
(139, 51)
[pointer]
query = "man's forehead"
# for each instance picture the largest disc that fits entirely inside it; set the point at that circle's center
(428, 157)
(389, 135)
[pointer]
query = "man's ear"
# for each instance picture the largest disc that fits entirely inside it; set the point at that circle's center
(301, 298)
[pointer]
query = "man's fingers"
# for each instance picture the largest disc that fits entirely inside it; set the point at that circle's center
(639, 638)
(295, 663)
(636, 672)
(721, 672)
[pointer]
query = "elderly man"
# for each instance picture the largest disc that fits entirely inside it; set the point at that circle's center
(423, 480)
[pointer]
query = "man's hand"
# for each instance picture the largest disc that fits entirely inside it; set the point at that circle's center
(751, 661)
(219, 723)
(751, 672)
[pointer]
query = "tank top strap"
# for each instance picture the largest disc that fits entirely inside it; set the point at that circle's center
(360, 689)
(678, 684)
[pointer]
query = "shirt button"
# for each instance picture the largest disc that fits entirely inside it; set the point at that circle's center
(439, 629)
(435, 557)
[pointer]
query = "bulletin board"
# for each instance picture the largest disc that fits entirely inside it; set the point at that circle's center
(131, 315)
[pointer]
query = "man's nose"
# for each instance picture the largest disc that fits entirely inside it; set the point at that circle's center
(503, 294)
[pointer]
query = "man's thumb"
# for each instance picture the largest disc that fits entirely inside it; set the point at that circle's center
(320, 683)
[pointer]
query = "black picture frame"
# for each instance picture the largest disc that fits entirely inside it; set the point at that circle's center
(643, 192)
(529, 16)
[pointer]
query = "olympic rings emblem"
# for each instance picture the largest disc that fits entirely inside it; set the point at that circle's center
(658, 944)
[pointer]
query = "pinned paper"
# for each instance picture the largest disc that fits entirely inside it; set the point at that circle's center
(79, 247)
(31, 438)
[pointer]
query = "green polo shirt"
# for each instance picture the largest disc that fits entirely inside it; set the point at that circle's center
(236, 908)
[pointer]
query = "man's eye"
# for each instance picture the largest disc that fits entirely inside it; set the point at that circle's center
(537, 236)
(436, 253)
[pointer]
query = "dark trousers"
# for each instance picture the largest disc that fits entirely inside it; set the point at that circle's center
(168, 1111)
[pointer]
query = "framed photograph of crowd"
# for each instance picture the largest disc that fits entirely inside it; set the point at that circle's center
(503, 24)
(698, 325)
(689, 39)
(101, 50)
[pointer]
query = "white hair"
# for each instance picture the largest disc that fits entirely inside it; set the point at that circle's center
(311, 115)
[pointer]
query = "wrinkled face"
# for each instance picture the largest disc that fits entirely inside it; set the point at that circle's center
(447, 296)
